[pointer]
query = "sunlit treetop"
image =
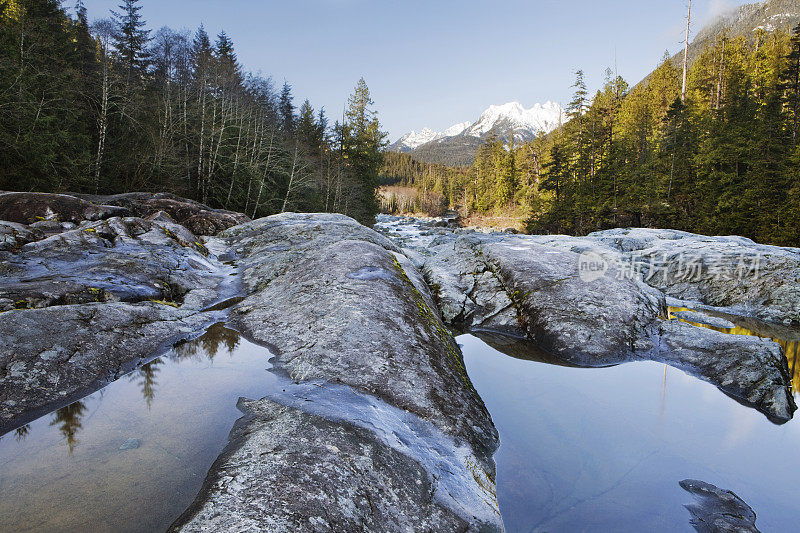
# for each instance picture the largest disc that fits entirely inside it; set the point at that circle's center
(10, 10)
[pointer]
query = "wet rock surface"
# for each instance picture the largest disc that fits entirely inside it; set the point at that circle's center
(81, 304)
(752, 370)
(376, 425)
(89, 292)
(264, 481)
(341, 309)
(533, 286)
(730, 273)
(196, 217)
(43, 208)
(718, 511)
(119, 259)
(51, 357)
(14, 235)
(30, 208)
(702, 318)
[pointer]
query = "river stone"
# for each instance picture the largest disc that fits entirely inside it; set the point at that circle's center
(468, 292)
(285, 471)
(716, 271)
(198, 218)
(718, 511)
(340, 308)
(611, 319)
(600, 321)
(130, 444)
(119, 259)
(30, 207)
(51, 356)
(280, 240)
(702, 318)
(537, 291)
(13, 235)
(84, 305)
(750, 369)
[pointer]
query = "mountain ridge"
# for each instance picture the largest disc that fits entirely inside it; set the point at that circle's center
(741, 21)
(459, 149)
(457, 145)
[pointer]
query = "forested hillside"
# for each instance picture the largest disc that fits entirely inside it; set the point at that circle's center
(112, 107)
(726, 160)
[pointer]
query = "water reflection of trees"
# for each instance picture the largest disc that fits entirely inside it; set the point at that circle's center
(146, 376)
(790, 348)
(203, 348)
(69, 422)
(209, 344)
(756, 329)
(22, 432)
(69, 419)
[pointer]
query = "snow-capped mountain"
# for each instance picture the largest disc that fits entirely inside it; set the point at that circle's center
(513, 117)
(456, 129)
(502, 121)
(414, 139)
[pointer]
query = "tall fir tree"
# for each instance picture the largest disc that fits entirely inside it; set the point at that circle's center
(286, 109)
(363, 142)
(131, 38)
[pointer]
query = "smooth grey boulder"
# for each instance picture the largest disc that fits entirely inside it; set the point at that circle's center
(591, 322)
(346, 315)
(119, 259)
(31, 207)
(718, 511)
(198, 218)
(267, 249)
(287, 470)
(468, 292)
(702, 318)
(14, 235)
(729, 274)
(48, 208)
(534, 290)
(752, 370)
(595, 320)
(733, 274)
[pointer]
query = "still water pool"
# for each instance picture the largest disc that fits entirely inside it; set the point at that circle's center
(132, 456)
(603, 449)
(581, 449)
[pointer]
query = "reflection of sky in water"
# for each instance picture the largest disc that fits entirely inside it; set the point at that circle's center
(582, 449)
(133, 456)
(180, 408)
(604, 449)
(789, 339)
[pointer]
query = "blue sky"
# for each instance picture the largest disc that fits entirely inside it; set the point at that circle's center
(434, 63)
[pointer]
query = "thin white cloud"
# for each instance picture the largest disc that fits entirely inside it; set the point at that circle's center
(717, 8)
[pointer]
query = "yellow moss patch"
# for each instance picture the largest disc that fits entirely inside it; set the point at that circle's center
(162, 302)
(435, 326)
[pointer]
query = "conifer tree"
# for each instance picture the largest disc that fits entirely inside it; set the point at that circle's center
(286, 109)
(363, 141)
(307, 130)
(131, 38)
(791, 84)
(229, 65)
